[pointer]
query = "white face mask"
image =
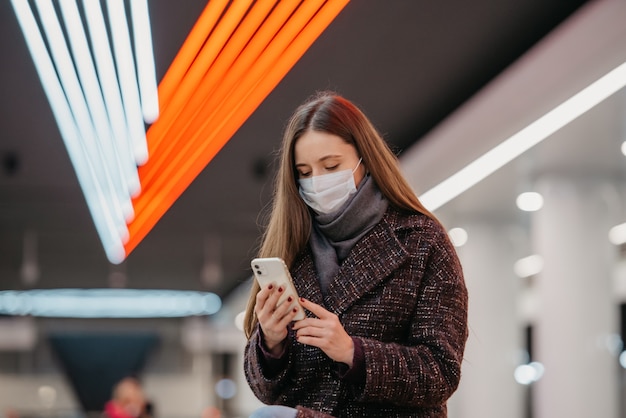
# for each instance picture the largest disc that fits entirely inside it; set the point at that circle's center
(326, 193)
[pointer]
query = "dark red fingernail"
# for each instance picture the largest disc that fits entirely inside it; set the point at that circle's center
(270, 286)
(289, 299)
(301, 299)
(295, 310)
(280, 289)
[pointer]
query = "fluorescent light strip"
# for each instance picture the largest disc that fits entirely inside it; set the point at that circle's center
(111, 92)
(144, 56)
(71, 86)
(523, 140)
(45, 69)
(127, 78)
(108, 303)
(91, 88)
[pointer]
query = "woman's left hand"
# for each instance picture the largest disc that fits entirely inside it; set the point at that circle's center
(325, 332)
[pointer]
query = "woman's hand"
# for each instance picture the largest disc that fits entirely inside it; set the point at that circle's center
(273, 319)
(325, 332)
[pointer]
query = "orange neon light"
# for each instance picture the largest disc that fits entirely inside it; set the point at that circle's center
(189, 50)
(202, 110)
(168, 170)
(214, 76)
(202, 63)
(207, 119)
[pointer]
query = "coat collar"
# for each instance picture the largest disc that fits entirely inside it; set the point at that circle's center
(371, 260)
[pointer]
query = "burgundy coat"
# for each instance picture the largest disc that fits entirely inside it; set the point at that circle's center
(401, 293)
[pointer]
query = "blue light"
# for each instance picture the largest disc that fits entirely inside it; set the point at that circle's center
(226, 388)
(108, 303)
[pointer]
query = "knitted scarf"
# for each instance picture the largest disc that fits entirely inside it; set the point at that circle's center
(334, 234)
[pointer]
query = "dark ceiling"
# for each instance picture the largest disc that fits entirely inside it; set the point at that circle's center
(407, 63)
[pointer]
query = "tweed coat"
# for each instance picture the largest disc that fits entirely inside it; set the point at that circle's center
(400, 292)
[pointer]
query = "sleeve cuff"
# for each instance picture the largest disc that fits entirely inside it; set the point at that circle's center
(356, 373)
(272, 364)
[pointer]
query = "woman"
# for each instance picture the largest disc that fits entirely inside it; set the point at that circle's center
(128, 400)
(387, 305)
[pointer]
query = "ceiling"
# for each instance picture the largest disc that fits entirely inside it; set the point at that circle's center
(585, 151)
(408, 64)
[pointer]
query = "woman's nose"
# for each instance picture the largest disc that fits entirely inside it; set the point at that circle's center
(316, 171)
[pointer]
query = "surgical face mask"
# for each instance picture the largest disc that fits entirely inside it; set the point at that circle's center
(326, 193)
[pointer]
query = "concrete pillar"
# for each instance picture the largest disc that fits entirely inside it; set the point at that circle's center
(488, 388)
(577, 312)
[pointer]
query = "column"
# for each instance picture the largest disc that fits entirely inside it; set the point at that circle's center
(488, 388)
(577, 313)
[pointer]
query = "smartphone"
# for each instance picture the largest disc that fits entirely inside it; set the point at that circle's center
(274, 269)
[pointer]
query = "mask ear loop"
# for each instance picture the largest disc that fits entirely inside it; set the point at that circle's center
(357, 165)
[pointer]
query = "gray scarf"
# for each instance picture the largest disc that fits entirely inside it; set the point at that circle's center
(334, 234)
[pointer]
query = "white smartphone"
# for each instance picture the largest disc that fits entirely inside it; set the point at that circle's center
(274, 269)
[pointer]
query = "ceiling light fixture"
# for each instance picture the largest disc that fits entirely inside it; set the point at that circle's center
(212, 87)
(102, 129)
(108, 303)
(62, 111)
(146, 74)
(126, 74)
(89, 81)
(528, 266)
(529, 201)
(525, 139)
(617, 234)
(458, 236)
(235, 55)
(103, 58)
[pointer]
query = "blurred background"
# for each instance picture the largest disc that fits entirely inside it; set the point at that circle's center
(445, 82)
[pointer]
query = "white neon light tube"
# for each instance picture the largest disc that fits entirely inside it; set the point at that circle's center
(144, 56)
(111, 92)
(91, 88)
(105, 226)
(128, 79)
(73, 91)
(523, 140)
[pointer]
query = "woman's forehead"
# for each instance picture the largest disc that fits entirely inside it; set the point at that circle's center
(316, 145)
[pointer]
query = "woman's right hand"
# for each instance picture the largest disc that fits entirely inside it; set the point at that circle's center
(272, 319)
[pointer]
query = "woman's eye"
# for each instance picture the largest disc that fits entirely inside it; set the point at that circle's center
(300, 174)
(332, 167)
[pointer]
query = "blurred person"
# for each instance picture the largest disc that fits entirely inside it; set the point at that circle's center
(128, 400)
(11, 413)
(384, 290)
(211, 412)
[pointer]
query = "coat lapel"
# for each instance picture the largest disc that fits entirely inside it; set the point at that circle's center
(306, 280)
(371, 261)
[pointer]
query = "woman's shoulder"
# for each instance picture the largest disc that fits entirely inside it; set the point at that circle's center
(400, 219)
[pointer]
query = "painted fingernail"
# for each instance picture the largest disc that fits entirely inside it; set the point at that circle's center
(280, 289)
(301, 299)
(289, 299)
(295, 310)
(270, 286)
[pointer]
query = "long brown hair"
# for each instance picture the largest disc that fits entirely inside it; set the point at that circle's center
(289, 224)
